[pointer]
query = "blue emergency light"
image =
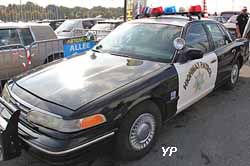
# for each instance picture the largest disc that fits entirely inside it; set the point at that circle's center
(169, 10)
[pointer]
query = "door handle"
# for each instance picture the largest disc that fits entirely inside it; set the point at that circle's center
(213, 61)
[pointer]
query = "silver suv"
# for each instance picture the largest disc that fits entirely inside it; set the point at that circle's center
(76, 27)
(13, 58)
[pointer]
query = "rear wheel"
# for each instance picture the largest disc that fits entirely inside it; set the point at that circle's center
(234, 77)
(138, 131)
(54, 57)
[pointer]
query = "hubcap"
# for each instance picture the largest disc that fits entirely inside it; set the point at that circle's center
(234, 74)
(142, 131)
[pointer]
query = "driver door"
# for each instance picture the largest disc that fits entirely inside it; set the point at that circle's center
(196, 77)
(246, 33)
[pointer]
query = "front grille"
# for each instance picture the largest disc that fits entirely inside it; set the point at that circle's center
(24, 111)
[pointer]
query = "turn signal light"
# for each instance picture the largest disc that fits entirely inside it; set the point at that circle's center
(92, 121)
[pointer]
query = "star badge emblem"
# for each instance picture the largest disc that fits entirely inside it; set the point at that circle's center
(199, 81)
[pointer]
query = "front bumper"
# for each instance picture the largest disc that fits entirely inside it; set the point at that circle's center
(10, 144)
(15, 136)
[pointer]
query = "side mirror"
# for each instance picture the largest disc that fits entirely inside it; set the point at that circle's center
(179, 43)
(190, 54)
(186, 53)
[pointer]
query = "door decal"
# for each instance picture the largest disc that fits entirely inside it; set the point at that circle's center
(200, 77)
(196, 79)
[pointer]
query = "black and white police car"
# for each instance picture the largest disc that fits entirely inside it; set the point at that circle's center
(144, 72)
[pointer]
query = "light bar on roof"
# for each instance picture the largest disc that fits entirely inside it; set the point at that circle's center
(158, 11)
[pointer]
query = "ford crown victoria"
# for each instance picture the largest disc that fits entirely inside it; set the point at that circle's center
(144, 72)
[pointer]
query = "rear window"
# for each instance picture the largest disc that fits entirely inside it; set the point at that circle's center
(67, 26)
(43, 32)
(102, 26)
(26, 36)
(9, 37)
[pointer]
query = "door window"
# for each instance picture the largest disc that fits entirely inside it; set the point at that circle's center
(87, 24)
(196, 37)
(9, 37)
(217, 35)
(26, 36)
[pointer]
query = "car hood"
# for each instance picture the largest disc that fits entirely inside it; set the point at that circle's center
(230, 25)
(82, 79)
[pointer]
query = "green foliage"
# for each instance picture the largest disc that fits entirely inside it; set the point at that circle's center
(34, 12)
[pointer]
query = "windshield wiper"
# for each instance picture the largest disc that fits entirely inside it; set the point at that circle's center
(117, 54)
(96, 50)
(66, 30)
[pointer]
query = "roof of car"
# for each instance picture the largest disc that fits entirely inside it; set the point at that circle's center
(172, 20)
(19, 25)
(216, 17)
(111, 21)
(87, 19)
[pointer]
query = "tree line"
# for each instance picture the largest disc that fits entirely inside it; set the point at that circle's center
(34, 12)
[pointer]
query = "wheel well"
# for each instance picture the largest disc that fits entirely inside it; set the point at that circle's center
(159, 103)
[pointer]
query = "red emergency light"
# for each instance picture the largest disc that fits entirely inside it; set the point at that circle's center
(195, 9)
(157, 11)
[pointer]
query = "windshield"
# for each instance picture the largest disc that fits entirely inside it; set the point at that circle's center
(102, 27)
(9, 37)
(67, 26)
(142, 41)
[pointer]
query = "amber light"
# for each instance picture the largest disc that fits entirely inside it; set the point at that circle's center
(92, 121)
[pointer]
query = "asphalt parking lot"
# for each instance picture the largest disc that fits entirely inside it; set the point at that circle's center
(215, 131)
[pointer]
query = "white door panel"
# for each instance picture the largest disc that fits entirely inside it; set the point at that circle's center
(196, 79)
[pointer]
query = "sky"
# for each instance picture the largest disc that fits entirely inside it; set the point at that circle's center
(213, 5)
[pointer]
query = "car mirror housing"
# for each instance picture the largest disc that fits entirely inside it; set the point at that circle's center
(190, 54)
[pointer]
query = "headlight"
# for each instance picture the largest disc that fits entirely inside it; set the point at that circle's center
(6, 94)
(59, 124)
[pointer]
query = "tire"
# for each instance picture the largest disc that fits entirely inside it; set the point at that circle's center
(54, 57)
(234, 77)
(144, 119)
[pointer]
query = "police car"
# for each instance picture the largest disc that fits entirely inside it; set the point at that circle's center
(144, 72)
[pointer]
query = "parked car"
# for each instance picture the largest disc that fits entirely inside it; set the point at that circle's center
(103, 28)
(53, 23)
(231, 25)
(76, 27)
(218, 18)
(229, 14)
(12, 58)
(144, 72)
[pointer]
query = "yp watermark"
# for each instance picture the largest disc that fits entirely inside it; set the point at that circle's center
(169, 151)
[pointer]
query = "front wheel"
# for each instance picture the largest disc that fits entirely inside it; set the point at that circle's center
(234, 77)
(138, 131)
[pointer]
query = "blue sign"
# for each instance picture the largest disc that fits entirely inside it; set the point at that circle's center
(77, 46)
